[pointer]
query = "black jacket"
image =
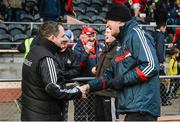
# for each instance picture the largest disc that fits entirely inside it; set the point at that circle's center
(105, 59)
(43, 90)
(159, 39)
(107, 55)
(69, 64)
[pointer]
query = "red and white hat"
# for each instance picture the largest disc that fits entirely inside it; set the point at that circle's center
(88, 30)
(136, 4)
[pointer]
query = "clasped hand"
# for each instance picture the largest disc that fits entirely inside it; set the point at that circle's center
(84, 89)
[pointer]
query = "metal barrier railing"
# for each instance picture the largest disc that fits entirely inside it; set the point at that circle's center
(32, 25)
(92, 78)
(11, 91)
(39, 23)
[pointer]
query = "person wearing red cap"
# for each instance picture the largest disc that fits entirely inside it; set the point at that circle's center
(87, 49)
(134, 70)
(139, 6)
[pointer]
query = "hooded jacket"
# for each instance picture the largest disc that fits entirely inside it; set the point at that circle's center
(133, 72)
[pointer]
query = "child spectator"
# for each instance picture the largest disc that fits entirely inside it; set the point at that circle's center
(173, 70)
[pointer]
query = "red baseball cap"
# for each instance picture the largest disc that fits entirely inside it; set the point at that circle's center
(88, 30)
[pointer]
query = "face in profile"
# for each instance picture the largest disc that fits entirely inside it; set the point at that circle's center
(114, 27)
(108, 35)
(61, 39)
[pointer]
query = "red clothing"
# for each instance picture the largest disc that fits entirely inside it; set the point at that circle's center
(119, 1)
(175, 39)
(69, 7)
(141, 3)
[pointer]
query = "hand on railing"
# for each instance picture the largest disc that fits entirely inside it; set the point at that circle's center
(86, 88)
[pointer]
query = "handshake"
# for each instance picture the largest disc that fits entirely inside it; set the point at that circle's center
(84, 90)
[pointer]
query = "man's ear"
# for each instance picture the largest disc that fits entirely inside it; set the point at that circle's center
(121, 23)
(51, 37)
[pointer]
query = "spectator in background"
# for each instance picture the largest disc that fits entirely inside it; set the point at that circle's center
(50, 10)
(120, 1)
(159, 39)
(26, 45)
(66, 8)
(70, 67)
(160, 12)
(70, 36)
(176, 38)
(174, 15)
(136, 7)
(139, 6)
(173, 70)
(55, 10)
(2, 10)
(69, 7)
(105, 100)
(87, 50)
(13, 10)
(177, 12)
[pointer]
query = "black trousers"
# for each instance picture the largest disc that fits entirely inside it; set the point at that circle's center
(103, 108)
(137, 116)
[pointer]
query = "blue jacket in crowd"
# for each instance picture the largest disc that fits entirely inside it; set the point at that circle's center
(50, 9)
(159, 38)
(134, 72)
(87, 61)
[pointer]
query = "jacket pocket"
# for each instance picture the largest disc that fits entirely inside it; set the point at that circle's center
(126, 98)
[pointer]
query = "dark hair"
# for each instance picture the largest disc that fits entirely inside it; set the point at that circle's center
(160, 24)
(174, 50)
(119, 12)
(34, 32)
(49, 28)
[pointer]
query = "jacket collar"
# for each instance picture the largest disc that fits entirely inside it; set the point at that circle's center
(49, 45)
(109, 46)
(129, 25)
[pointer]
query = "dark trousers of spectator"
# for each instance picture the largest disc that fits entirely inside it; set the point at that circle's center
(165, 95)
(84, 109)
(103, 108)
(137, 116)
(176, 87)
(13, 14)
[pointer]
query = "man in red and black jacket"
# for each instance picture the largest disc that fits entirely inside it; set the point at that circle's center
(134, 71)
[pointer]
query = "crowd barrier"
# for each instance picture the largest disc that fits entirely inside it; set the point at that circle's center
(10, 90)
